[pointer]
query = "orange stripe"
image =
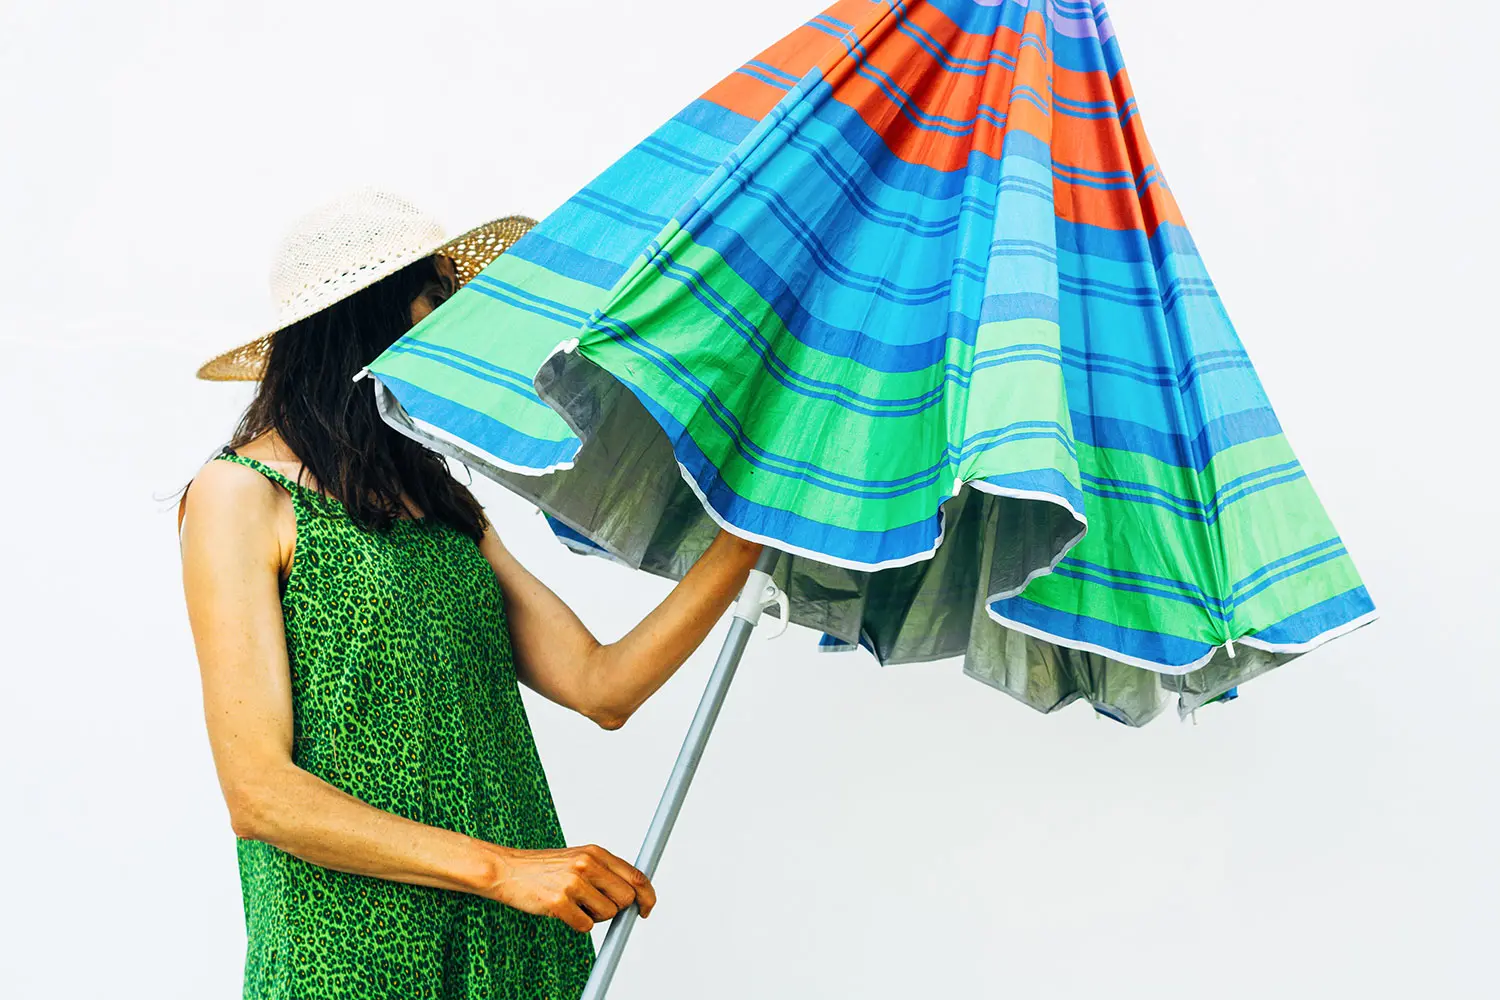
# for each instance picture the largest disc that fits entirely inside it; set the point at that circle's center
(1105, 146)
(795, 55)
(1091, 144)
(932, 91)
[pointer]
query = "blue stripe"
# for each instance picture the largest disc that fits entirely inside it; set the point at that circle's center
(1273, 470)
(469, 365)
(1181, 589)
(670, 154)
(862, 202)
(1031, 96)
(1020, 430)
(1125, 245)
(1023, 248)
(1187, 513)
(1086, 106)
(616, 209)
(1320, 619)
(781, 76)
(562, 531)
(1153, 647)
(1154, 375)
(1228, 500)
(1287, 574)
(1018, 305)
(1334, 545)
(716, 121)
(1067, 573)
(1177, 449)
(561, 259)
(755, 73)
(1040, 481)
(1209, 512)
(571, 313)
(913, 113)
(480, 429)
(842, 32)
(829, 265)
(952, 63)
(1027, 186)
(552, 311)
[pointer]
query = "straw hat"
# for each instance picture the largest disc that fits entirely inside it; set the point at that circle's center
(349, 244)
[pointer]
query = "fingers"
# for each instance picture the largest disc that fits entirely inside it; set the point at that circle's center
(593, 902)
(638, 885)
(602, 878)
(582, 886)
(570, 913)
(620, 892)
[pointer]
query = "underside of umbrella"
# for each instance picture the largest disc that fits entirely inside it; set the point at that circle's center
(907, 298)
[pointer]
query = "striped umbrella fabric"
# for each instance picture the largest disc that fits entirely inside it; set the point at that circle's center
(907, 297)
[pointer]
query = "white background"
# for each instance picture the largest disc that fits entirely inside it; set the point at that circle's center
(855, 832)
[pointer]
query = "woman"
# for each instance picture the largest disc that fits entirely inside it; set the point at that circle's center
(361, 630)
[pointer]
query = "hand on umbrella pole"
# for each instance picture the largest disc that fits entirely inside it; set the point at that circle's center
(759, 595)
(577, 885)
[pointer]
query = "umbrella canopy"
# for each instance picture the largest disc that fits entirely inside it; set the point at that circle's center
(908, 298)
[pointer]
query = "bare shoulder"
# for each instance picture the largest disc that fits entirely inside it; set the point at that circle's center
(490, 544)
(225, 499)
(505, 565)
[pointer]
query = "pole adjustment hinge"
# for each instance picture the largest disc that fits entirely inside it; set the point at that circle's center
(759, 596)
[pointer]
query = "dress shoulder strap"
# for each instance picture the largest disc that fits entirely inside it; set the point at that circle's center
(279, 478)
(286, 482)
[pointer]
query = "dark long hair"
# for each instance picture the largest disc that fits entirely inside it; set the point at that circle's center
(307, 395)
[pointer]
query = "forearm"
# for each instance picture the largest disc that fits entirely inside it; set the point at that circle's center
(305, 816)
(620, 676)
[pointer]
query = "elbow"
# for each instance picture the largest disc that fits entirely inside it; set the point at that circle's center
(612, 721)
(605, 704)
(610, 717)
(252, 815)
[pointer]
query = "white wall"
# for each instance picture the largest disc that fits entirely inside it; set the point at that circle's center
(855, 832)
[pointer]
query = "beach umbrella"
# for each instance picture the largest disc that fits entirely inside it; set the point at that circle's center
(907, 298)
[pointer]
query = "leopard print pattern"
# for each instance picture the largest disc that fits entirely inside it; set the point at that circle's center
(403, 695)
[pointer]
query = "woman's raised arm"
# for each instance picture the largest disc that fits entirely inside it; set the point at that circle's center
(559, 658)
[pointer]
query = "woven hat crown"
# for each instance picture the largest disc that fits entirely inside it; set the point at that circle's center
(347, 244)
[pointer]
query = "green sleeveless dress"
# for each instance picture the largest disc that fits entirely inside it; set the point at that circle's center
(404, 695)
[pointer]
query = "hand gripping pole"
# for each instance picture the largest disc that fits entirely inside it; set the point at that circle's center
(760, 595)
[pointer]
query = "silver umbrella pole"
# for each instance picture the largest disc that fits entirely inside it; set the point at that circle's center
(759, 595)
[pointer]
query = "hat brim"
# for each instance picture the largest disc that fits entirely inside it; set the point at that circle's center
(471, 253)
